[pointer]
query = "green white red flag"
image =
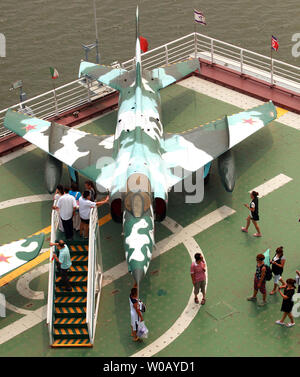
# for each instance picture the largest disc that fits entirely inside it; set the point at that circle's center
(54, 73)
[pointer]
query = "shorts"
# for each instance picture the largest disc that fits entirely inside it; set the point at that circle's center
(262, 288)
(276, 279)
(85, 221)
(255, 218)
(199, 285)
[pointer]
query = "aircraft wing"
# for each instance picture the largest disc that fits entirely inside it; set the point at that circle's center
(18, 253)
(89, 154)
(169, 74)
(192, 149)
(116, 78)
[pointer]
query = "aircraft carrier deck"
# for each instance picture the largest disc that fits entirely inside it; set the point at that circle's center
(227, 325)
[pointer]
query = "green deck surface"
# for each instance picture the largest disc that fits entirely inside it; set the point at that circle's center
(227, 325)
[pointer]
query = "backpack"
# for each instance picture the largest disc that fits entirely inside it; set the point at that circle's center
(142, 306)
(268, 275)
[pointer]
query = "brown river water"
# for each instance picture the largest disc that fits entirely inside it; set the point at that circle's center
(43, 33)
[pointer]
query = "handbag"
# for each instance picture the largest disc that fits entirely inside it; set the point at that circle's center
(142, 331)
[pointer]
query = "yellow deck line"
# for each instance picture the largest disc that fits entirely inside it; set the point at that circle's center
(40, 258)
(26, 267)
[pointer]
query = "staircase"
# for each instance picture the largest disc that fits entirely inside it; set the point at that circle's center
(69, 321)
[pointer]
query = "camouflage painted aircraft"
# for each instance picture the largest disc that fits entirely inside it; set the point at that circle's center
(139, 165)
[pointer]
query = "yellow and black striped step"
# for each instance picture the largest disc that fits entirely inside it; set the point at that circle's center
(71, 343)
(78, 270)
(77, 290)
(70, 322)
(73, 333)
(74, 280)
(78, 250)
(78, 260)
(70, 301)
(72, 311)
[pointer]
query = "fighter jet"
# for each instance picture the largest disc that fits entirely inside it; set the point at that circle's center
(139, 164)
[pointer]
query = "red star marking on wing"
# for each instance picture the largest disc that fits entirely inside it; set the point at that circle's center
(29, 127)
(250, 121)
(3, 258)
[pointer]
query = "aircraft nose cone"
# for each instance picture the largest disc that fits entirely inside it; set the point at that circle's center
(138, 275)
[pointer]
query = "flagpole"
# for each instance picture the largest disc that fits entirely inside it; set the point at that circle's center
(195, 37)
(272, 78)
(96, 31)
(55, 98)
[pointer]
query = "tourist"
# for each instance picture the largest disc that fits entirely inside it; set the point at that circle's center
(198, 269)
(63, 262)
(277, 263)
(287, 302)
(85, 206)
(298, 280)
(76, 218)
(259, 280)
(67, 206)
(89, 186)
(135, 313)
(58, 193)
(254, 217)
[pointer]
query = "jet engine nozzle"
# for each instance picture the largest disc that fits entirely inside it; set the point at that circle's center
(226, 166)
(53, 171)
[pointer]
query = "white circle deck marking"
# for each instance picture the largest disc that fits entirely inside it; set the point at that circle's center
(24, 281)
(25, 200)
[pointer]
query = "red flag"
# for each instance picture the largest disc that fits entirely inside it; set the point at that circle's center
(144, 44)
(274, 42)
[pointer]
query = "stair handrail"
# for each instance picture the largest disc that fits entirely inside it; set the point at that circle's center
(50, 304)
(90, 307)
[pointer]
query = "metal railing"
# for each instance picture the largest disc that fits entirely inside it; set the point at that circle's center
(94, 281)
(244, 61)
(82, 91)
(59, 100)
(51, 278)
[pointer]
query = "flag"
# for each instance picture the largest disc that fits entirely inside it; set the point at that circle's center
(274, 43)
(54, 73)
(144, 44)
(267, 257)
(199, 17)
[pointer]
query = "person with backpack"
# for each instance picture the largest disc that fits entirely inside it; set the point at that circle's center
(262, 274)
(277, 263)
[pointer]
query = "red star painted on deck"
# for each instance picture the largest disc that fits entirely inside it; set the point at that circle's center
(3, 258)
(29, 127)
(250, 121)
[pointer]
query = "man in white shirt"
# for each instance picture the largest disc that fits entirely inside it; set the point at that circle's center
(66, 205)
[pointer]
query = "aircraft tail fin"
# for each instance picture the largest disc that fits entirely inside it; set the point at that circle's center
(138, 60)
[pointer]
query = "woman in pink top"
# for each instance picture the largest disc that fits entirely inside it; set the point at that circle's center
(198, 269)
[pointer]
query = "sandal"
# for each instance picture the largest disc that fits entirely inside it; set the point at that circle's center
(203, 301)
(196, 300)
(243, 229)
(257, 234)
(290, 324)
